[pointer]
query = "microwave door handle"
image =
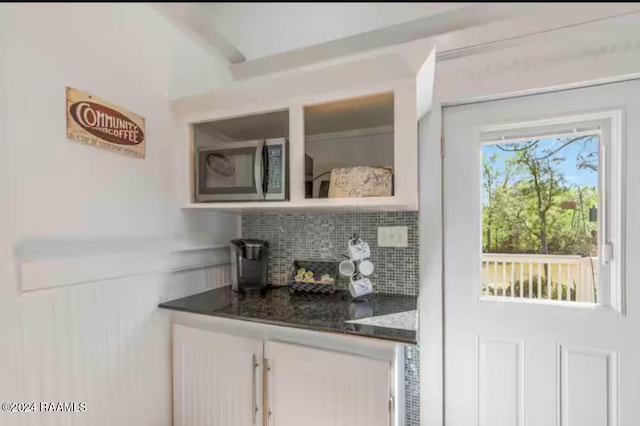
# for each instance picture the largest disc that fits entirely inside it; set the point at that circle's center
(265, 171)
(258, 169)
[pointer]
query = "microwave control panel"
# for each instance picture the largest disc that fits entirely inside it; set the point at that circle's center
(274, 169)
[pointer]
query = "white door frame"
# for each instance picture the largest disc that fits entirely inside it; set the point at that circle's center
(431, 242)
(605, 337)
(431, 261)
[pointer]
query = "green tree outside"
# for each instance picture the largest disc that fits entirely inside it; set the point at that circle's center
(529, 205)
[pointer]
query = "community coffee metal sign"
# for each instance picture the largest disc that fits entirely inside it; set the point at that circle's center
(92, 121)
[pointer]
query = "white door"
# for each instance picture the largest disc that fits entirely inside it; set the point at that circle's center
(545, 337)
(313, 387)
(217, 379)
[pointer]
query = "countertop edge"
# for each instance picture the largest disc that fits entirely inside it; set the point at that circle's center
(317, 329)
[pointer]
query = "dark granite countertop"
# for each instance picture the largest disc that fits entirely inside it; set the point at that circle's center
(313, 312)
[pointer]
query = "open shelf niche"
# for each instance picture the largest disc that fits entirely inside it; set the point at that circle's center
(347, 133)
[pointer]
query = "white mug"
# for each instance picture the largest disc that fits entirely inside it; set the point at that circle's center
(361, 287)
(366, 267)
(359, 250)
(347, 268)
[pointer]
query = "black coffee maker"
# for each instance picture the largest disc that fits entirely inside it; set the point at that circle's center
(249, 265)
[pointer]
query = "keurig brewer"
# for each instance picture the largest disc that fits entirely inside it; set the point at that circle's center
(249, 265)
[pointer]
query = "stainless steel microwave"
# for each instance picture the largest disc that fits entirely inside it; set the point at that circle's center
(253, 170)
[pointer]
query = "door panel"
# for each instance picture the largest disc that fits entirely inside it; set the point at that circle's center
(588, 386)
(215, 380)
(530, 362)
(313, 387)
(501, 380)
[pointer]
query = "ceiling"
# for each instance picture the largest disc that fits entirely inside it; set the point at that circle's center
(264, 29)
(257, 39)
(263, 38)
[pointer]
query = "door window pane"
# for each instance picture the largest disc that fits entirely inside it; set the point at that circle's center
(540, 217)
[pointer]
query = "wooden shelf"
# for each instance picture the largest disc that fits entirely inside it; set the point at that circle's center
(368, 204)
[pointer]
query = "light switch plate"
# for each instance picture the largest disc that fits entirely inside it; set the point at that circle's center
(393, 236)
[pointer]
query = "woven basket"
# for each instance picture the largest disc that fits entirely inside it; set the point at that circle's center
(318, 267)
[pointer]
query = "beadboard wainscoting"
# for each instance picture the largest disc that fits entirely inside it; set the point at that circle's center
(106, 344)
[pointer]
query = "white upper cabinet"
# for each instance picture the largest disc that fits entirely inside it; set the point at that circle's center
(277, 143)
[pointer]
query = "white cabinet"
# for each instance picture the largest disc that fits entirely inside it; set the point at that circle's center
(217, 379)
(224, 380)
(314, 387)
(357, 113)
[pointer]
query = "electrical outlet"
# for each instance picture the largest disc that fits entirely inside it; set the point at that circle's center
(393, 236)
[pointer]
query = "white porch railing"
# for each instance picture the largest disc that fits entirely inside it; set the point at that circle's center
(539, 276)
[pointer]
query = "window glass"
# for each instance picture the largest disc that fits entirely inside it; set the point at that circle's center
(540, 217)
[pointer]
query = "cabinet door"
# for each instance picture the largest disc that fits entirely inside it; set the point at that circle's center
(217, 379)
(312, 387)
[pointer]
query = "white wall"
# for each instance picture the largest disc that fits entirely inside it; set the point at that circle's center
(192, 71)
(104, 343)
(571, 55)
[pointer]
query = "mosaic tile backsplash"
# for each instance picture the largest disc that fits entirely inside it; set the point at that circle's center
(325, 236)
(412, 385)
